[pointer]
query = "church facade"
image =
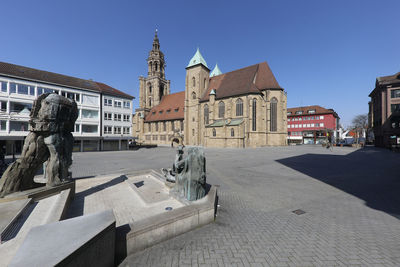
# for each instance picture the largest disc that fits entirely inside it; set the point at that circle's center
(241, 108)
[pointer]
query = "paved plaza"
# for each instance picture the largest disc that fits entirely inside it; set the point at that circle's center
(350, 198)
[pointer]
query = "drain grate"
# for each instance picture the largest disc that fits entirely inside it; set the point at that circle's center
(298, 212)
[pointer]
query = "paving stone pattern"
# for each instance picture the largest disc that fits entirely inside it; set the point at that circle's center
(350, 198)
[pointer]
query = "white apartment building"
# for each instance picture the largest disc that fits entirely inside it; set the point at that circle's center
(20, 86)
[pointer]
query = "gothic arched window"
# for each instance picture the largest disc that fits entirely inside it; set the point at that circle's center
(239, 107)
(214, 132)
(206, 115)
(274, 115)
(193, 81)
(150, 101)
(232, 132)
(156, 66)
(254, 115)
(204, 83)
(221, 109)
(149, 85)
(193, 95)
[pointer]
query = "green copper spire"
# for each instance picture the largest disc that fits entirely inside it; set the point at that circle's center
(197, 59)
(216, 71)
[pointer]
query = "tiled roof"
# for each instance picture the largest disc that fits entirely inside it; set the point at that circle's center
(31, 74)
(170, 108)
(318, 110)
(247, 80)
(108, 90)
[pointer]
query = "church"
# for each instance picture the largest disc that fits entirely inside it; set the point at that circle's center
(241, 108)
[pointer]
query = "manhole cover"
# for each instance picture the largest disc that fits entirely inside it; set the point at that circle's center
(168, 208)
(298, 212)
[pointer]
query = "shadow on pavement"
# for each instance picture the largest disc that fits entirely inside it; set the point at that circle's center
(371, 174)
(77, 205)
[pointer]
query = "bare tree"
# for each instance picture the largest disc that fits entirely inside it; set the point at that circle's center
(360, 124)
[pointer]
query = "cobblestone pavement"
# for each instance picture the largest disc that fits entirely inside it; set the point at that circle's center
(350, 197)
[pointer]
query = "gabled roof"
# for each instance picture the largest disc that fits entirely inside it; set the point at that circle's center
(16, 71)
(251, 79)
(216, 71)
(170, 108)
(197, 59)
(108, 90)
(318, 110)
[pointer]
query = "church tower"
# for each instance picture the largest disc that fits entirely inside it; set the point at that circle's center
(197, 77)
(154, 86)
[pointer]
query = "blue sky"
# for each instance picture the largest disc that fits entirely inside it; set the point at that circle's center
(326, 53)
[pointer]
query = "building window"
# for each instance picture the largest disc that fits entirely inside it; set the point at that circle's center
(172, 126)
(274, 115)
(164, 126)
(149, 128)
(90, 114)
(204, 83)
(299, 112)
(150, 101)
(289, 113)
(192, 132)
(395, 107)
(3, 86)
(117, 130)
(214, 132)
(193, 81)
(117, 117)
(108, 102)
(254, 115)
(206, 115)
(239, 107)
(126, 117)
(156, 126)
(311, 111)
(77, 128)
(181, 125)
(395, 93)
(127, 130)
(221, 109)
(176, 110)
(117, 104)
(18, 126)
(89, 128)
(127, 104)
(193, 95)
(90, 100)
(149, 85)
(107, 130)
(232, 132)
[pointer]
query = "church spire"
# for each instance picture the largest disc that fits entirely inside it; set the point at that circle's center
(156, 42)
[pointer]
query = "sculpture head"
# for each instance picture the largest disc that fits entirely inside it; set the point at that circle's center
(53, 113)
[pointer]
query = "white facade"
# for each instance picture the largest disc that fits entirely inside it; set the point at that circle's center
(16, 99)
(117, 122)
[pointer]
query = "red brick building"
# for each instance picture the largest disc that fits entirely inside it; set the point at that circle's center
(311, 124)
